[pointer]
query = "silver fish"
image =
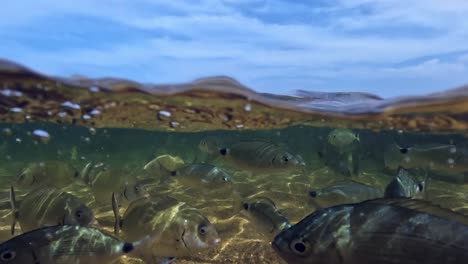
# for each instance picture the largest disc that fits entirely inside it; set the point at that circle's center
(405, 186)
(49, 173)
(200, 175)
(344, 192)
(49, 206)
(180, 229)
(342, 137)
(380, 231)
(103, 181)
(65, 244)
(262, 156)
(266, 217)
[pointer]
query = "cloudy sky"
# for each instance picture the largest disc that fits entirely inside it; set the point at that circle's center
(384, 47)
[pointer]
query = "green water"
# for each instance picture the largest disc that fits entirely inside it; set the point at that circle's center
(131, 149)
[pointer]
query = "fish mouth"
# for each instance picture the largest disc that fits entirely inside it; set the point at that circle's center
(183, 241)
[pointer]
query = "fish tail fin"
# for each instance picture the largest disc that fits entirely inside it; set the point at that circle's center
(14, 209)
(115, 209)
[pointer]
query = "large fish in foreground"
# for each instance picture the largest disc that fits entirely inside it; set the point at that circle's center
(258, 155)
(178, 228)
(380, 231)
(66, 244)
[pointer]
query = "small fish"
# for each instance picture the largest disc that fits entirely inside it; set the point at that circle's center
(447, 162)
(344, 192)
(377, 231)
(405, 186)
(262, 156)
(180, 229)
(49, 206)
(341, 137)
(103, 181)
(266, 217)
(49, 173)
(210, 145)
(65, 244)
(200, 175)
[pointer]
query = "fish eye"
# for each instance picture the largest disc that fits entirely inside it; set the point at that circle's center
(246, 206)
(420, 187)
(202, 229)
(313, 194)
(137, 188)
(225, 179)
(299, 247)
(79, 213)
(404, 150)
(7, 255)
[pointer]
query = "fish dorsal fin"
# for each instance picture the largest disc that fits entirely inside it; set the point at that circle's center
(424, 206)
(14, 209)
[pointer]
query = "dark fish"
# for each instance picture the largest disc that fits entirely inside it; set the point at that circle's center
(49, 206)
(344, 192)
(179, 229)
(380, 231)
(266, 217)
(405, 186)
(65, 244)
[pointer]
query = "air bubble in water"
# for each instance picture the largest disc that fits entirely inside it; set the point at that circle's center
(7, 131)
(41, 135)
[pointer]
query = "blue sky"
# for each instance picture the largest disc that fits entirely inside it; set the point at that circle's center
(385, 47)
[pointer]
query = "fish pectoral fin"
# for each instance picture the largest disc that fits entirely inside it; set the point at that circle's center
(14, 210)
(115, 209)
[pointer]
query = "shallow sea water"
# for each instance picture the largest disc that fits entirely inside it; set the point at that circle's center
(126, 129)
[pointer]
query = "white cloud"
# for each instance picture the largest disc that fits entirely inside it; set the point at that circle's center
(218, 37)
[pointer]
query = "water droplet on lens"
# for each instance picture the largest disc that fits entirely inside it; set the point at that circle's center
(41, 135)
